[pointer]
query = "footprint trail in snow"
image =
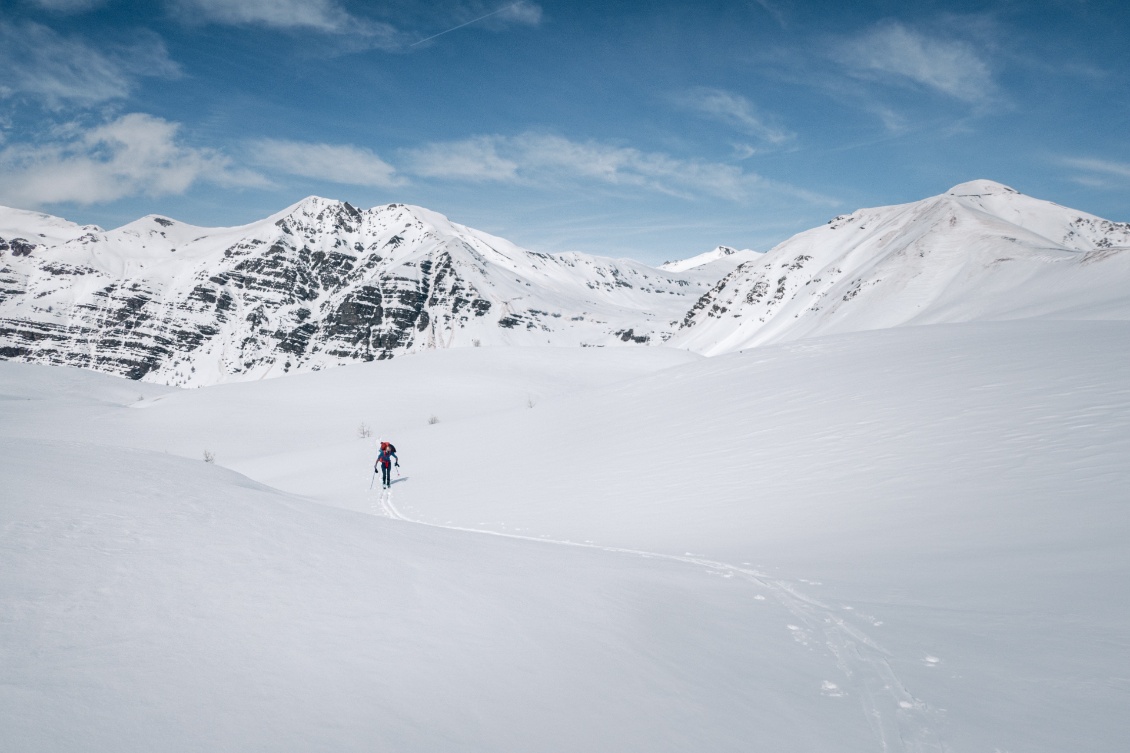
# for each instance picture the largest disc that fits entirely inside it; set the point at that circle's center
(901, 722)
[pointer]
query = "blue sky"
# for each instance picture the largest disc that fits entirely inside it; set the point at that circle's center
(653, 130)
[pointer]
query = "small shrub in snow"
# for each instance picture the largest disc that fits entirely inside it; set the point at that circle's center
(363, 431)
(433, 420)
(477, 343)
(209, 457)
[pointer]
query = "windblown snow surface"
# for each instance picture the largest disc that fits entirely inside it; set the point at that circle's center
(898, 540)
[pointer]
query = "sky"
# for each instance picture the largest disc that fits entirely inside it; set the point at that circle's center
(649, 130)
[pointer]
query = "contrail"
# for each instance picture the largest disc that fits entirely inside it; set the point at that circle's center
(460, 26)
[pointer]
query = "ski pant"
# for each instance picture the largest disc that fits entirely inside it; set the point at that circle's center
(386, 475)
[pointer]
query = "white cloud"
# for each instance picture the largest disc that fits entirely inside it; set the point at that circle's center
(136, 154)
(332, 17)
(735, 111)
(1097, 173)
(330, 162)
(540, 159)
(1094, 165)
(473, 159)
(894, 51)
(54, 69)
(67, 6)
(523, 13)
(322, 15)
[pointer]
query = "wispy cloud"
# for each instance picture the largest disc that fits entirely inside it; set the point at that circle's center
(895, 52)
(519, 13)
(324, 16)
(475, 159)
(545, 159)
(733, 110)
(1092, 164)
(136, 154)
(773, 10)
(1097, 173)
(320, 15)
(67, 6)
(335, 163)
(57, 70)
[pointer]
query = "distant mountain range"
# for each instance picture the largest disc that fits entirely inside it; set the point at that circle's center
(317, 285)
(323, 283)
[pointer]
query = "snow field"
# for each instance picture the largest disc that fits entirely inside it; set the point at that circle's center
(154, 602)
(901, 540)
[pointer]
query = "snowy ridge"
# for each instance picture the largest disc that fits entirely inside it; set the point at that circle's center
(319, 284)
(722, 258)
(981, 251)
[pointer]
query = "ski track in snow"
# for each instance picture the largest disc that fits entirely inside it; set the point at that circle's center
(901, 722)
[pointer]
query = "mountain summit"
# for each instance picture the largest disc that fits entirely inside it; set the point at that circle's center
(980, 251)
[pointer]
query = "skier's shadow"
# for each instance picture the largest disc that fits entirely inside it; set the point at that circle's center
(398, 479)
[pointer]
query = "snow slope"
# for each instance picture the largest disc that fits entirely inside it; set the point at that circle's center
(157, 602)
(943, 509)
(981, 251)
(901, 540)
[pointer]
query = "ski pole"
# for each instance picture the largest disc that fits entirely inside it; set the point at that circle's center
(373, 480)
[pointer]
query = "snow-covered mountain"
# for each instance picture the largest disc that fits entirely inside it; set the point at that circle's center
(980, 251)
(323, 283)
(723, 259)
(319, 284)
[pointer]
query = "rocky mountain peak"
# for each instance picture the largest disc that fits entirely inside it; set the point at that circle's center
(319, 284)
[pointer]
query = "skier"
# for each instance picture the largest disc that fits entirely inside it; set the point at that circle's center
(385, 459)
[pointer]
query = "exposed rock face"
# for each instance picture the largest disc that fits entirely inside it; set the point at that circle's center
(981, 251)
(317, 285)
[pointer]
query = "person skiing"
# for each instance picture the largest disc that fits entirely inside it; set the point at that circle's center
(385, 459)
